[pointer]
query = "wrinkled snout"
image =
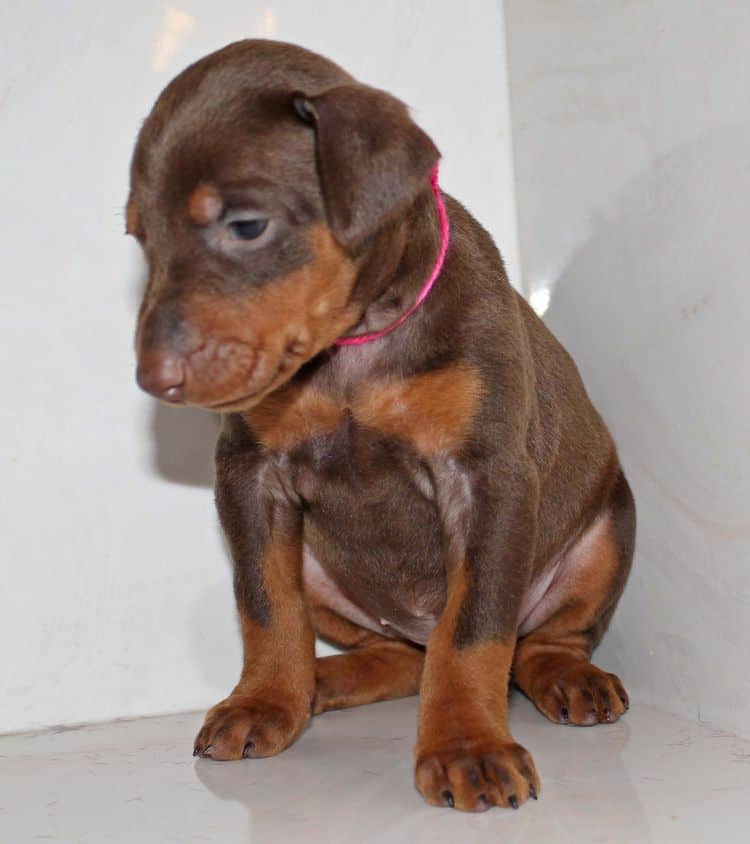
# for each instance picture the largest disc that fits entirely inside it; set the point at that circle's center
(192, 357)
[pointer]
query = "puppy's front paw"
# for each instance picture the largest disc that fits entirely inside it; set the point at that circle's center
(244, 727)
(577, 692)
(473, 777)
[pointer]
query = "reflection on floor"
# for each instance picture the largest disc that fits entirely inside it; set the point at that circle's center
(651, 778)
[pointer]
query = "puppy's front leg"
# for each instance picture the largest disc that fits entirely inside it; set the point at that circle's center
(272, 702)
(465, 755)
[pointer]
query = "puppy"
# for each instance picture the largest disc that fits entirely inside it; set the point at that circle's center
(409, 465)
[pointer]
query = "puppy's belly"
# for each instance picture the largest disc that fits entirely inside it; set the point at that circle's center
(557, 582)
(321, 589)
(411, 622)
(564, 577)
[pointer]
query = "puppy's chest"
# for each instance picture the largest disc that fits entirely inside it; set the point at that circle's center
(372, 528)
(430, 414)
(362, 462)
(357, 471)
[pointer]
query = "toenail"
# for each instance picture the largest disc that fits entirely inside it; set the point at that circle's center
(513, 800)
(448, 798)
(532, 793)
(248, 749)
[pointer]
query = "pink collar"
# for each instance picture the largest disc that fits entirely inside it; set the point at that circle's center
(359, 339)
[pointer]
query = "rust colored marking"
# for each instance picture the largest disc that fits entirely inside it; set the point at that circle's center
(272, 702)
(381, 671)
(378, 668)
(471, 682)
(465, 755)
(205, 204)
(292, 415)
(131, 218)
(551, 665)
(433, 411)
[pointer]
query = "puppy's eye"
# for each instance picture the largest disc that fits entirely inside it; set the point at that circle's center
(247, 229)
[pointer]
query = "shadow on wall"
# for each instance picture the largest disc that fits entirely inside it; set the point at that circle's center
(184, 441)
(654, 310)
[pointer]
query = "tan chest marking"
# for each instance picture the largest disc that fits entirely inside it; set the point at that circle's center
(292, 415)
(433, 411)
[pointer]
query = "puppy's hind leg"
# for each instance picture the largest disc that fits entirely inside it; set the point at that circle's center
(552, 663)
(376, 667)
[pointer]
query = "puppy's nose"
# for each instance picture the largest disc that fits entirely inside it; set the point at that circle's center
(162, 374)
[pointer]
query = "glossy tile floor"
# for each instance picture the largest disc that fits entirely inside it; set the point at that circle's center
(651, 778)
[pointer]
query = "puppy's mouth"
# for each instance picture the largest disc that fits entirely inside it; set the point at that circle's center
(243, 402)
(287, 364)
(234, 369)
(227, 375)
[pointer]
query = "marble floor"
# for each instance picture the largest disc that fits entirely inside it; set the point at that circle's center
(653, 777)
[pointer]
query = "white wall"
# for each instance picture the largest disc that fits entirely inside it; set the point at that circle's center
(632, 157)
(116, 596)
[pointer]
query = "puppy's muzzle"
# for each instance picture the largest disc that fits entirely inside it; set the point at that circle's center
(180, 363)
(162, 373)
(215, 374)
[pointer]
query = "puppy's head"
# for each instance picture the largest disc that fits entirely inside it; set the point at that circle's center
(258, 180)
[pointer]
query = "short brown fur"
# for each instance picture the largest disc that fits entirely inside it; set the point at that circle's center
(445, 502)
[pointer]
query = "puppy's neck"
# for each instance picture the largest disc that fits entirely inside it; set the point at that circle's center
(393, 270)
(395, 266)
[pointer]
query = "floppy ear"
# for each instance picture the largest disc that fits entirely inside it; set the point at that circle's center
(373, 159)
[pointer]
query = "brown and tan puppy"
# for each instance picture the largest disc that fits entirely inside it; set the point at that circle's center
(445, 503)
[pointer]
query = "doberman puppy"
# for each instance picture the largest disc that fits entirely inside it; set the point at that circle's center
(429, 487)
